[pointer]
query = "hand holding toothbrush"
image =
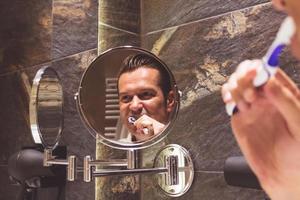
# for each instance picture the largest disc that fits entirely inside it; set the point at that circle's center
(147, 127)
(269, 62)
(267, 127)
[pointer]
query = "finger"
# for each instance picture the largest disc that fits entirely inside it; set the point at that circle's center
(232, 86)
(287, 104)
(245, 86)
(226, 95)
(287, 82)
(242, 79)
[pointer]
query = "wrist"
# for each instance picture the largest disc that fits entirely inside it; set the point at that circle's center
(283, 192)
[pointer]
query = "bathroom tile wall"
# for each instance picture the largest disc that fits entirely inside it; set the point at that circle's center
(56, 33)
(201, 41)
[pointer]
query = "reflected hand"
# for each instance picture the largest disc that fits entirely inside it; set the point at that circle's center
(147, 127)
(267, 128)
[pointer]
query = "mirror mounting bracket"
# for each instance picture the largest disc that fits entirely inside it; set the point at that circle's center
(173, 167)
(70, 162)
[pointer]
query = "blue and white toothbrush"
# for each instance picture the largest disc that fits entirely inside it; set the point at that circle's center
(271, 59)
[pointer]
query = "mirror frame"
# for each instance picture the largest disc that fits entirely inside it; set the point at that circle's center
(117, 144)
(33, 109)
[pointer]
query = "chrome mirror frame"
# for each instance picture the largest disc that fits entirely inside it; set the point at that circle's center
(117, 144)
(33, 110)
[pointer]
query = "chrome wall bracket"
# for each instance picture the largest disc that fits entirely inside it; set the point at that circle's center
(180, 177)
(70, 162)
(173, 167)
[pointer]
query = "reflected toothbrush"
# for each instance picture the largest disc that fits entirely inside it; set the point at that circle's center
(132, 120)
(271, 59)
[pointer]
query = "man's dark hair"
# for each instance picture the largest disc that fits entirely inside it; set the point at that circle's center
(133, 62)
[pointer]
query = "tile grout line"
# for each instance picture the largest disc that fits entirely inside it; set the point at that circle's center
(209, 172)
(45, 63)
(203, 19)
(119, 29)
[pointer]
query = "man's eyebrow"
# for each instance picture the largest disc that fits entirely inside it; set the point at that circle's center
(123, 93)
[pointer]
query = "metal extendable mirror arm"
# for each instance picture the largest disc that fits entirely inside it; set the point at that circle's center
(172, 164)
(46, 117)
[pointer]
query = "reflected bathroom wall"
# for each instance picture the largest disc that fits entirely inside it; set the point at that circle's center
(56, 33)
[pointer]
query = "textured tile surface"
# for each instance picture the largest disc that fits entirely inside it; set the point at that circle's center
(109, 38)
(14, 100)
(121, 14)
(74, 26)
(15, 132)
(158, 14)
(25, 33)
(8, 190)
(210, 186)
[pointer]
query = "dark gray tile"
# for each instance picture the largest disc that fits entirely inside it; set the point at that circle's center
(122, 14)
(109, 38)
(15, 132)
(74, 26)
(25, 33)
(158, 14)
(8, 189)
(206, 186)
(14, 100)
(202, 55)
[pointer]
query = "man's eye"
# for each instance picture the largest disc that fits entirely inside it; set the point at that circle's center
(125, 99)
(146, 95)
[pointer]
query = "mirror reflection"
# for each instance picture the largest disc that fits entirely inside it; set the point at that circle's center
(128, 96)
(145, 96)
(46, 108)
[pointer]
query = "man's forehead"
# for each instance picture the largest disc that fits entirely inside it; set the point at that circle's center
(139, 79)
(141, 73)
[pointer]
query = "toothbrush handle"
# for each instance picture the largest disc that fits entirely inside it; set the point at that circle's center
(262, 76)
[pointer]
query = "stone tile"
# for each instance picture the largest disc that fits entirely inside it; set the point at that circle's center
(14, 101)
(25, 33)
(206, 186)
(121, 14)
(8, 189)
(157, 15)
(11, 190)
(202, 55)
(109, 38)
(74, 26)
(75, 136)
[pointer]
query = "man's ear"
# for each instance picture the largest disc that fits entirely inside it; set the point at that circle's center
(170, 101)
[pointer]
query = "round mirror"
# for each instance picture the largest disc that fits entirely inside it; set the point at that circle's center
(46, 108)
(128, 98)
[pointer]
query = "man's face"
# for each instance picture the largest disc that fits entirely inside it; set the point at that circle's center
(292, 8)
(140, 90)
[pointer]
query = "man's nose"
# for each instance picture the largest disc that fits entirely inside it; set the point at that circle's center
(136, 104)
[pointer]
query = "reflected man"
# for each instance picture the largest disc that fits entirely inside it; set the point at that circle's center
(146, 98)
